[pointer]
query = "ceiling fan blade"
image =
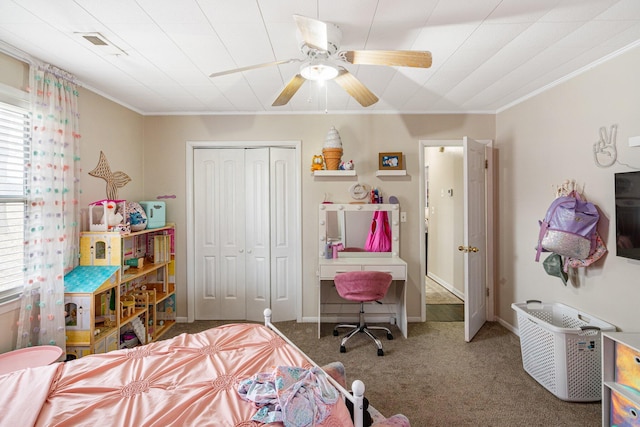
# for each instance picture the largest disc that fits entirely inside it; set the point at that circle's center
(313, 32)
(355, 88)
(401, 58)
(289, 90)
(253, 67)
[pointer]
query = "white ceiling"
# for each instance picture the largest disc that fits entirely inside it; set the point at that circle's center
(487, 54)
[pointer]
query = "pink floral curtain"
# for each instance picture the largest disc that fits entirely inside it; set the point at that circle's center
(52, 214)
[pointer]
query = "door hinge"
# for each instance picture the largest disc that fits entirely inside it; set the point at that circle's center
(488, 293)
(486, 164)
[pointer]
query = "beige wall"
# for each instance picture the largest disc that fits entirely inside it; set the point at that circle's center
(541, 143)
(118, 132)
(363, 136)
(14, 73)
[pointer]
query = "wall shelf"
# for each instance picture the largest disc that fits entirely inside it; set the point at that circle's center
(334, 173)
(394, 172)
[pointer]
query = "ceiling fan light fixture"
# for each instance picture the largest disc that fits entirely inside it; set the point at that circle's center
(318, 71)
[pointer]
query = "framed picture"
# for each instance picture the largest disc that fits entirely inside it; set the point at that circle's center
(390, 161)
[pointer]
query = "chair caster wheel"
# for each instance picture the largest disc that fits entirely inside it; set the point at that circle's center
(335, 333)
(389, 336)
(343, 349)
(380, 352)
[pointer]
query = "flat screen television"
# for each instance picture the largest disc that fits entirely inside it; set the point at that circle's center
(627, 191)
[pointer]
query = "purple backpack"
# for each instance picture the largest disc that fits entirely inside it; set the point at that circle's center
(569, 228)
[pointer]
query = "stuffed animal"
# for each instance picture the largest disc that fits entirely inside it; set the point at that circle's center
(317, 164)
(346, 166)
(111, 217)
(136, 216)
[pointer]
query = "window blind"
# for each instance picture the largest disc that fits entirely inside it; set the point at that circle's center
(15, 142)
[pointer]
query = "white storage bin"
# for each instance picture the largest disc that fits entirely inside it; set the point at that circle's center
(561, 349)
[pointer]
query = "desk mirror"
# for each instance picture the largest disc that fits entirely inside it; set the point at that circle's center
(349, 225)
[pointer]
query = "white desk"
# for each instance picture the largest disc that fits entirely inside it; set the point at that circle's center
(396, 298)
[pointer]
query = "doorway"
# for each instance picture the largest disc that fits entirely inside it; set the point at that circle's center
(476, 245)
(443, 217)
(243, 230)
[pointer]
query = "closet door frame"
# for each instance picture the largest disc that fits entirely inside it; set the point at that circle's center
(190, 244)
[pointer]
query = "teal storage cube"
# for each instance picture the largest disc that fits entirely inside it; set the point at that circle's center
(156, 213)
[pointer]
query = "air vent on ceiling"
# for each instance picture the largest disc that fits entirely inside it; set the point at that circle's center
(95, 39)
(102, 44)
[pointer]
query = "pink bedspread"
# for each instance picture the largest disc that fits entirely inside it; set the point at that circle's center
(189, 380)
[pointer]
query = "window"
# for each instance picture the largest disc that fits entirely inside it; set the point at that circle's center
(15, 141)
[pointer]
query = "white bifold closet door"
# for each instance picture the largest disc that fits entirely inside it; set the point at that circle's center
(245, 233)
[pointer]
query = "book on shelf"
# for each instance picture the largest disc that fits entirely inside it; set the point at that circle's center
(161, 248)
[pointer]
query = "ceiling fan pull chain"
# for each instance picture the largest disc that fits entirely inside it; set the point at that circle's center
(326, 99)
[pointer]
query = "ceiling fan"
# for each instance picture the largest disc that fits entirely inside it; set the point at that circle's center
(319, 42)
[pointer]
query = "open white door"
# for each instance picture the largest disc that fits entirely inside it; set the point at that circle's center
(474, 245)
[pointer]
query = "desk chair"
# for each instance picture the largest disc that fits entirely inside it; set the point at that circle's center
(362, 286)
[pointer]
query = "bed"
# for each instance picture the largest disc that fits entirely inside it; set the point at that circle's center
(225, 376)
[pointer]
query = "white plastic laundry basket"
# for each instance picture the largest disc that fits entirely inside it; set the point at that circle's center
(561, 349)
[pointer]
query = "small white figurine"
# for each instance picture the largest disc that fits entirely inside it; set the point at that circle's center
(111, 216)
(347, 166)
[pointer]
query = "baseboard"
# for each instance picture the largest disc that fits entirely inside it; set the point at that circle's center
(510, 327)
(446, 285)
(182, 320)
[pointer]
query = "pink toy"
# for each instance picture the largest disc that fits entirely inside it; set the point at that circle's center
(336, 248)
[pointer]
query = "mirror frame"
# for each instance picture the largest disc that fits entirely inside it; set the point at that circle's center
(394, 222)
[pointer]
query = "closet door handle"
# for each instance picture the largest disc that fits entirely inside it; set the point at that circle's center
(248, 251)
(241, 250)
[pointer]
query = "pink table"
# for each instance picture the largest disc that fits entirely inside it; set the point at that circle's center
(29, 357)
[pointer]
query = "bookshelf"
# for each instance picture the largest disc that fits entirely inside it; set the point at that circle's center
(140, 298)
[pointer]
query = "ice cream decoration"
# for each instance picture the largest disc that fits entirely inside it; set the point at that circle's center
(332, 149)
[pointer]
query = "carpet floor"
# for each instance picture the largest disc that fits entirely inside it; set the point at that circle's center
(445, 312)
(435, 378)
(437, 294)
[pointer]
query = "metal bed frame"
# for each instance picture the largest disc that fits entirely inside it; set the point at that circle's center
(357, 398)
